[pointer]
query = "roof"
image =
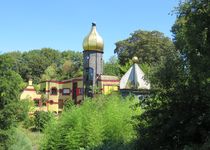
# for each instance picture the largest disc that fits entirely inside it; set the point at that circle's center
(134, 79)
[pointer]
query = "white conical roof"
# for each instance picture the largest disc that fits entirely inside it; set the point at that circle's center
(134, 79)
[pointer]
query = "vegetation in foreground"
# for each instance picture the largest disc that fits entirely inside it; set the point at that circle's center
(176, 116)
(105, 122)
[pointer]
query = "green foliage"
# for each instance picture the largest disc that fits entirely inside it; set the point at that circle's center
(154, 51)
(41, 118)
(112, 67)
(50, 73)
(71, 64)
(68, 104)
(28, 122)
(177, 115)
(35, 62)
(148, 46)
(106, 122)
(10, 111)
(46, 64)
(22, 142)
(23, 107)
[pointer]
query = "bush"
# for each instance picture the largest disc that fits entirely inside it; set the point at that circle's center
(28, 122)
(41, 118)
(105, 122)
(21, 141)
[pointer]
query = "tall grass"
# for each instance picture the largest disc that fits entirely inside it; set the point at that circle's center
(105, 122)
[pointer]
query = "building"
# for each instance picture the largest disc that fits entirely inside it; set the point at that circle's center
(53, 94)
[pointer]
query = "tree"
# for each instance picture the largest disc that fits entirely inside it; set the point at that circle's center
(16, 58)
(67, 68)
(35, 62)
(71, 64)
(177, 116)
(112, 67)
(46, 63)
(50, 73)
(10, 86)
(192, 39)
(148, 46)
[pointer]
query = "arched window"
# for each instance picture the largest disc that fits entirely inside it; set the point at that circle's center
(54, 91)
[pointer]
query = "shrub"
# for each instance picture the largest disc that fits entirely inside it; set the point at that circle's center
(22, 142)
(41, 118)
(105, 122)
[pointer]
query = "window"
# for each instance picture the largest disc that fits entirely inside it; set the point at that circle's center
(66, 91)
(54, 91)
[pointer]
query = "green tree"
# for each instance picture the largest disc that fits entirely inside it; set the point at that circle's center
(67, 68)
(70, 64)
(46, 63)
(177, 116)
(10, 86)
(112, 67)
(50, 73)
(16, 57)
(148, 46)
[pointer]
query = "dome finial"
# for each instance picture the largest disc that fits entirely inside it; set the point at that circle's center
(135, 59)
(93, 23)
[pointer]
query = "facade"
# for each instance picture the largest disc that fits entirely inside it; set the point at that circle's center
(53, 94)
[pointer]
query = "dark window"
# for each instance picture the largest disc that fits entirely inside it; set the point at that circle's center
(54, 91)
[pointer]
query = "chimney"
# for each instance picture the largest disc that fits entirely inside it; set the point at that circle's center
(30, 82)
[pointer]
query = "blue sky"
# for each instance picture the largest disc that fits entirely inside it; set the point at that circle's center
(62, 24)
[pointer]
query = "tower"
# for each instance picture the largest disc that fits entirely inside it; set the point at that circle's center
(92, 60)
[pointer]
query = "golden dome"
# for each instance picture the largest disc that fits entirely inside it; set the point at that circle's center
(135, 59)
(93, 40)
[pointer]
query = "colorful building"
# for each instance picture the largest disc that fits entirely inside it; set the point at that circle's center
(53, 93)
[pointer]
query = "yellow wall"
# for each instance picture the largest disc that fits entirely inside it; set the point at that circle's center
(60, 85)
(109, 86)
(52, 101)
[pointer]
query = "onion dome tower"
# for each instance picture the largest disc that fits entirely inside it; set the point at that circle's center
(93, 46)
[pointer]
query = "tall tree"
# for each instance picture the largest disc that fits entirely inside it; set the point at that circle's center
(177, 116)
(148, 46)
(10, 86)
